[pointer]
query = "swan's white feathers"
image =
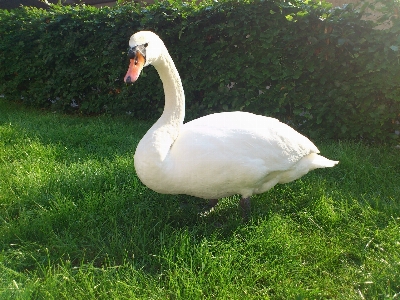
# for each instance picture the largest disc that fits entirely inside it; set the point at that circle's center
(220, 154)
(232, 153)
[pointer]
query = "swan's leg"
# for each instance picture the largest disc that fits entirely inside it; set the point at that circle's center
(209, 207)
(245, 208)
(212, 203)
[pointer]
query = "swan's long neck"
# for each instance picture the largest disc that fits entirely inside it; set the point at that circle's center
(163, 133)
(174, 108)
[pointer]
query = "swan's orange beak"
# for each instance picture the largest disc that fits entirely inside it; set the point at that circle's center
(135, 67)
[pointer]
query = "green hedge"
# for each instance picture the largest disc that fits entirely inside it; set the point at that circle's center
(324, 71)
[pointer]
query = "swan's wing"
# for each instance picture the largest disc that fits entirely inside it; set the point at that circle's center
(240, 134)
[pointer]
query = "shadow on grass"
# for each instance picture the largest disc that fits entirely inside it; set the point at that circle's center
(74, 137)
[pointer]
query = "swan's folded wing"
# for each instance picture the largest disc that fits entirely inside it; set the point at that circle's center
(231, 152)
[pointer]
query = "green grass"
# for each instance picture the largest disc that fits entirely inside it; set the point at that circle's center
(76, 223)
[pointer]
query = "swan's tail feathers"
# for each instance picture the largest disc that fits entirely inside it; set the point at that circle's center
(318, 161)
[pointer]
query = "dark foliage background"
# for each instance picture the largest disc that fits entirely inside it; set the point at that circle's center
(326, 72)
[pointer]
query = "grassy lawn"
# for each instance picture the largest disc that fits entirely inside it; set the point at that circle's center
(76, 223)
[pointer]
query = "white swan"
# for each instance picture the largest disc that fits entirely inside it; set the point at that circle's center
(217, 155)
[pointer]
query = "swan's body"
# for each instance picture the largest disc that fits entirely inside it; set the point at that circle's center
(217, 155)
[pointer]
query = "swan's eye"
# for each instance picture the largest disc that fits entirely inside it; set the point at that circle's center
(131, 52)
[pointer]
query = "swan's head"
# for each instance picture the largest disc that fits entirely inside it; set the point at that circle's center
(145, 48)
